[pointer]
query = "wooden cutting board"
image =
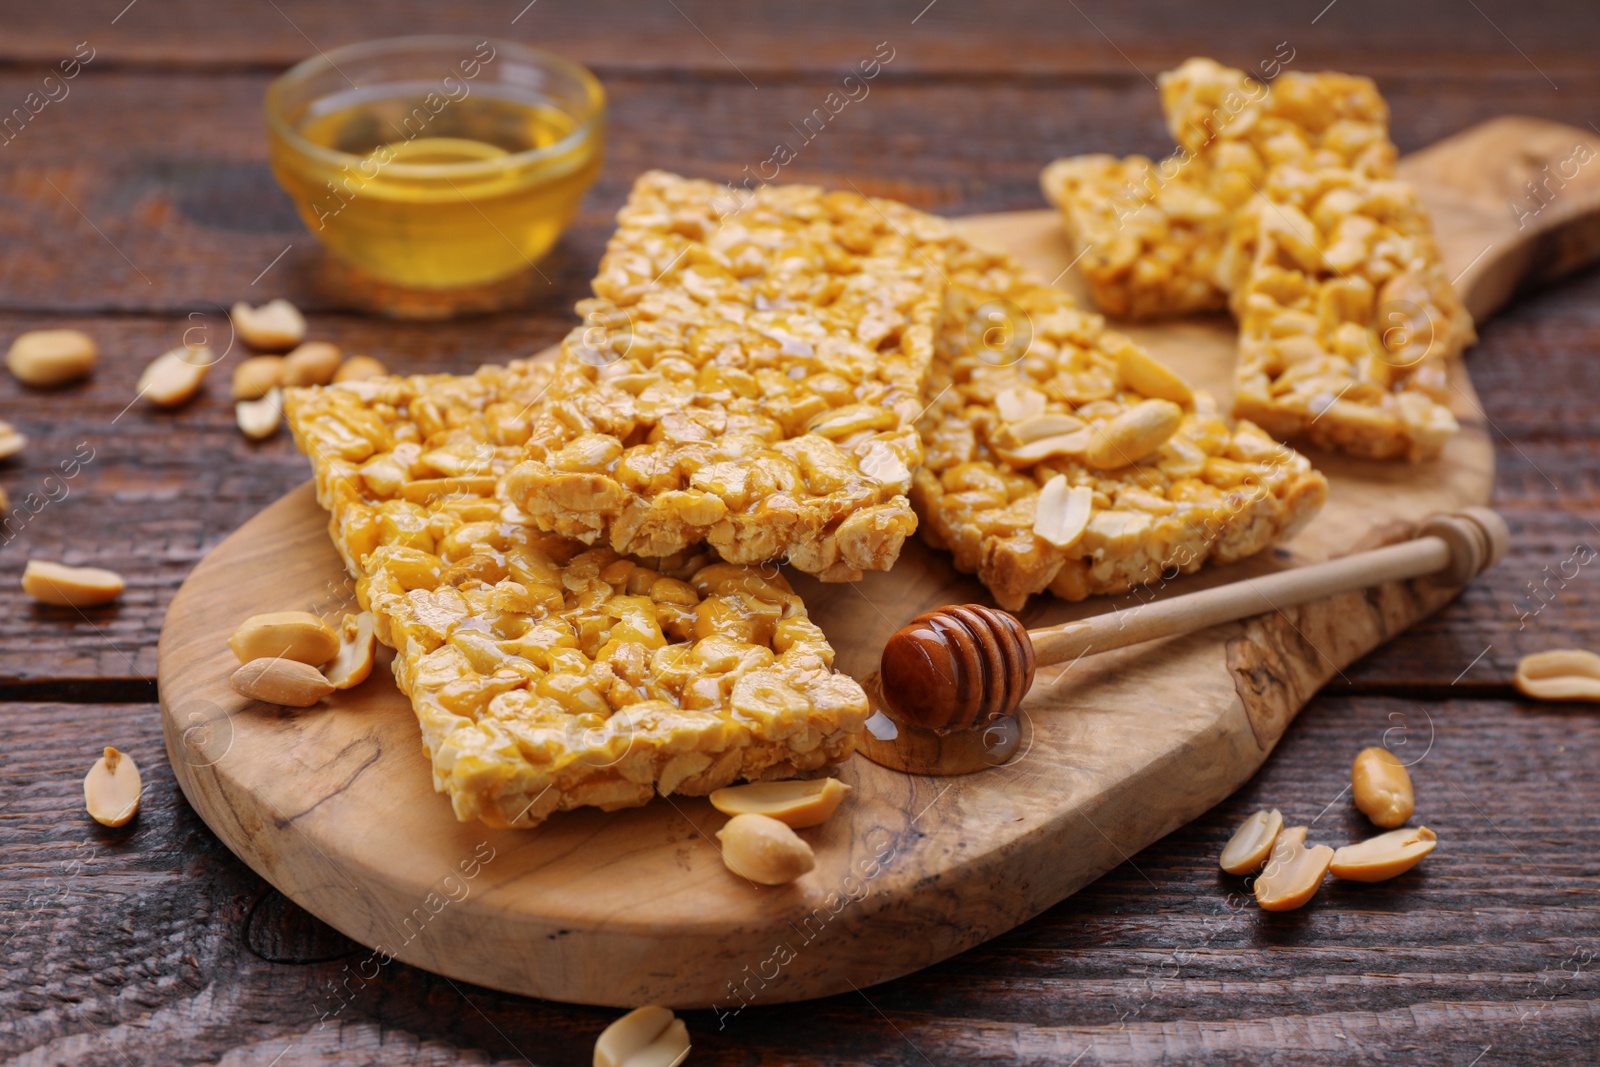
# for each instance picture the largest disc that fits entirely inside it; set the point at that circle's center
(334, 805)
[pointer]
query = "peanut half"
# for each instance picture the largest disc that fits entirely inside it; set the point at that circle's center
(259, 419)
(257, 376)
(272, 327)
(1147, 375)
(359, 369)
(1385, 856)
(174, 377)
(296, 635)
(11, 442)
(1293, 873)
(764, 850)
(645, 1037)
(313, 363)
(357, 647)
(46, 358)
(281, 681)
(1061, 513)
(1252, 842)
(1381, 787)
(794, 803)
(111, 789)
(70, 587)
(1561, 674)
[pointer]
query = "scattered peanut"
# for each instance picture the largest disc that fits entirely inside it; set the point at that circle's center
(11, 442)
(1062, 512)
(1293, 873)
(257, 376)
(111, 789)
(174, 377)
(1385, 856)
(313, 363)
(764, 850)
(259, 419)
(645, 1037)
(1133, 435)
(1251, 844)
(296, 635)
(73, 587)
(273, 327)
(1381, 787)
(359, 369)
(794, 803)
(357, 646)
(1561, 674)
(281, 681)
(47, 358)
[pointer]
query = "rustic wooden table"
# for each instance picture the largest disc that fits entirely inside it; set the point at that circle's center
(137, 204)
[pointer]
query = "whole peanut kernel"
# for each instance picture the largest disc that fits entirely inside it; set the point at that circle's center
(272, 327)
(764, 850)
(359, 369)
(281, 681)
(313, 363)
(46, 358)
(1381, 787)
(257, 376)
(296, 635)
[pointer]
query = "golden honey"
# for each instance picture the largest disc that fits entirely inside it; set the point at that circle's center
(443, 181)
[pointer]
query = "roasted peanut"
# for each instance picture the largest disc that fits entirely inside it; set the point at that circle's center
(272, 327)
(1385, 856)
(259, 419)
(1133, 435)
(357, 647)
(281, 681)
(73, 587)
(46, 358)
(1293, 872)
(764, 850)
(794, 803)
(1381, 787)
(11, 442)
(313, 363)
(1062, 512)
(1561, 674)
(296, 635)
(111, 789)
(1145, 375)
(257, 376)
(1019, 403)
(174, 377)
(645, 1037)
(359, 369)
(1251, 844)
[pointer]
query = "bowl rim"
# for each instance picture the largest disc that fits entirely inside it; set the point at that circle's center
(324, 61)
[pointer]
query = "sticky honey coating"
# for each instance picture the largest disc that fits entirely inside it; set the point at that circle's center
(1282, 203)
(548, 675)
(1170, 486)
(747, 377)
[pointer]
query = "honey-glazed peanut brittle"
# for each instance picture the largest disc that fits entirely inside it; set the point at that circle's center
(1282, 202)
(1084, 466)
(545, 674)
(747, 377)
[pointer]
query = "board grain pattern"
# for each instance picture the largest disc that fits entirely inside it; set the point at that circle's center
(334, 804)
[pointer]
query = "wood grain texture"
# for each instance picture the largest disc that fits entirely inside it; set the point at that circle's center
(155, 944)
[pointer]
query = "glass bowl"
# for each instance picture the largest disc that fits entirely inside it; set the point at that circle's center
(436, 162)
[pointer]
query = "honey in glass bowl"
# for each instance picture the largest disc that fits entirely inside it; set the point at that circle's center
(436, 162)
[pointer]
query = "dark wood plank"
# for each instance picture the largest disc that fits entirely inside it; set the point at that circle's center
(153, 943)
(175, 210)
(1003, 39)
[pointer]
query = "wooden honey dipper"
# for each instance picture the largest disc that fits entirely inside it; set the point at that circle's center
(961, 669)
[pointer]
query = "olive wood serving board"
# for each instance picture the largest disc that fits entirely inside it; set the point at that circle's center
(334, 805)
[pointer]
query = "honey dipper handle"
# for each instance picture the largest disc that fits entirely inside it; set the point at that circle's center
(1451, 548)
